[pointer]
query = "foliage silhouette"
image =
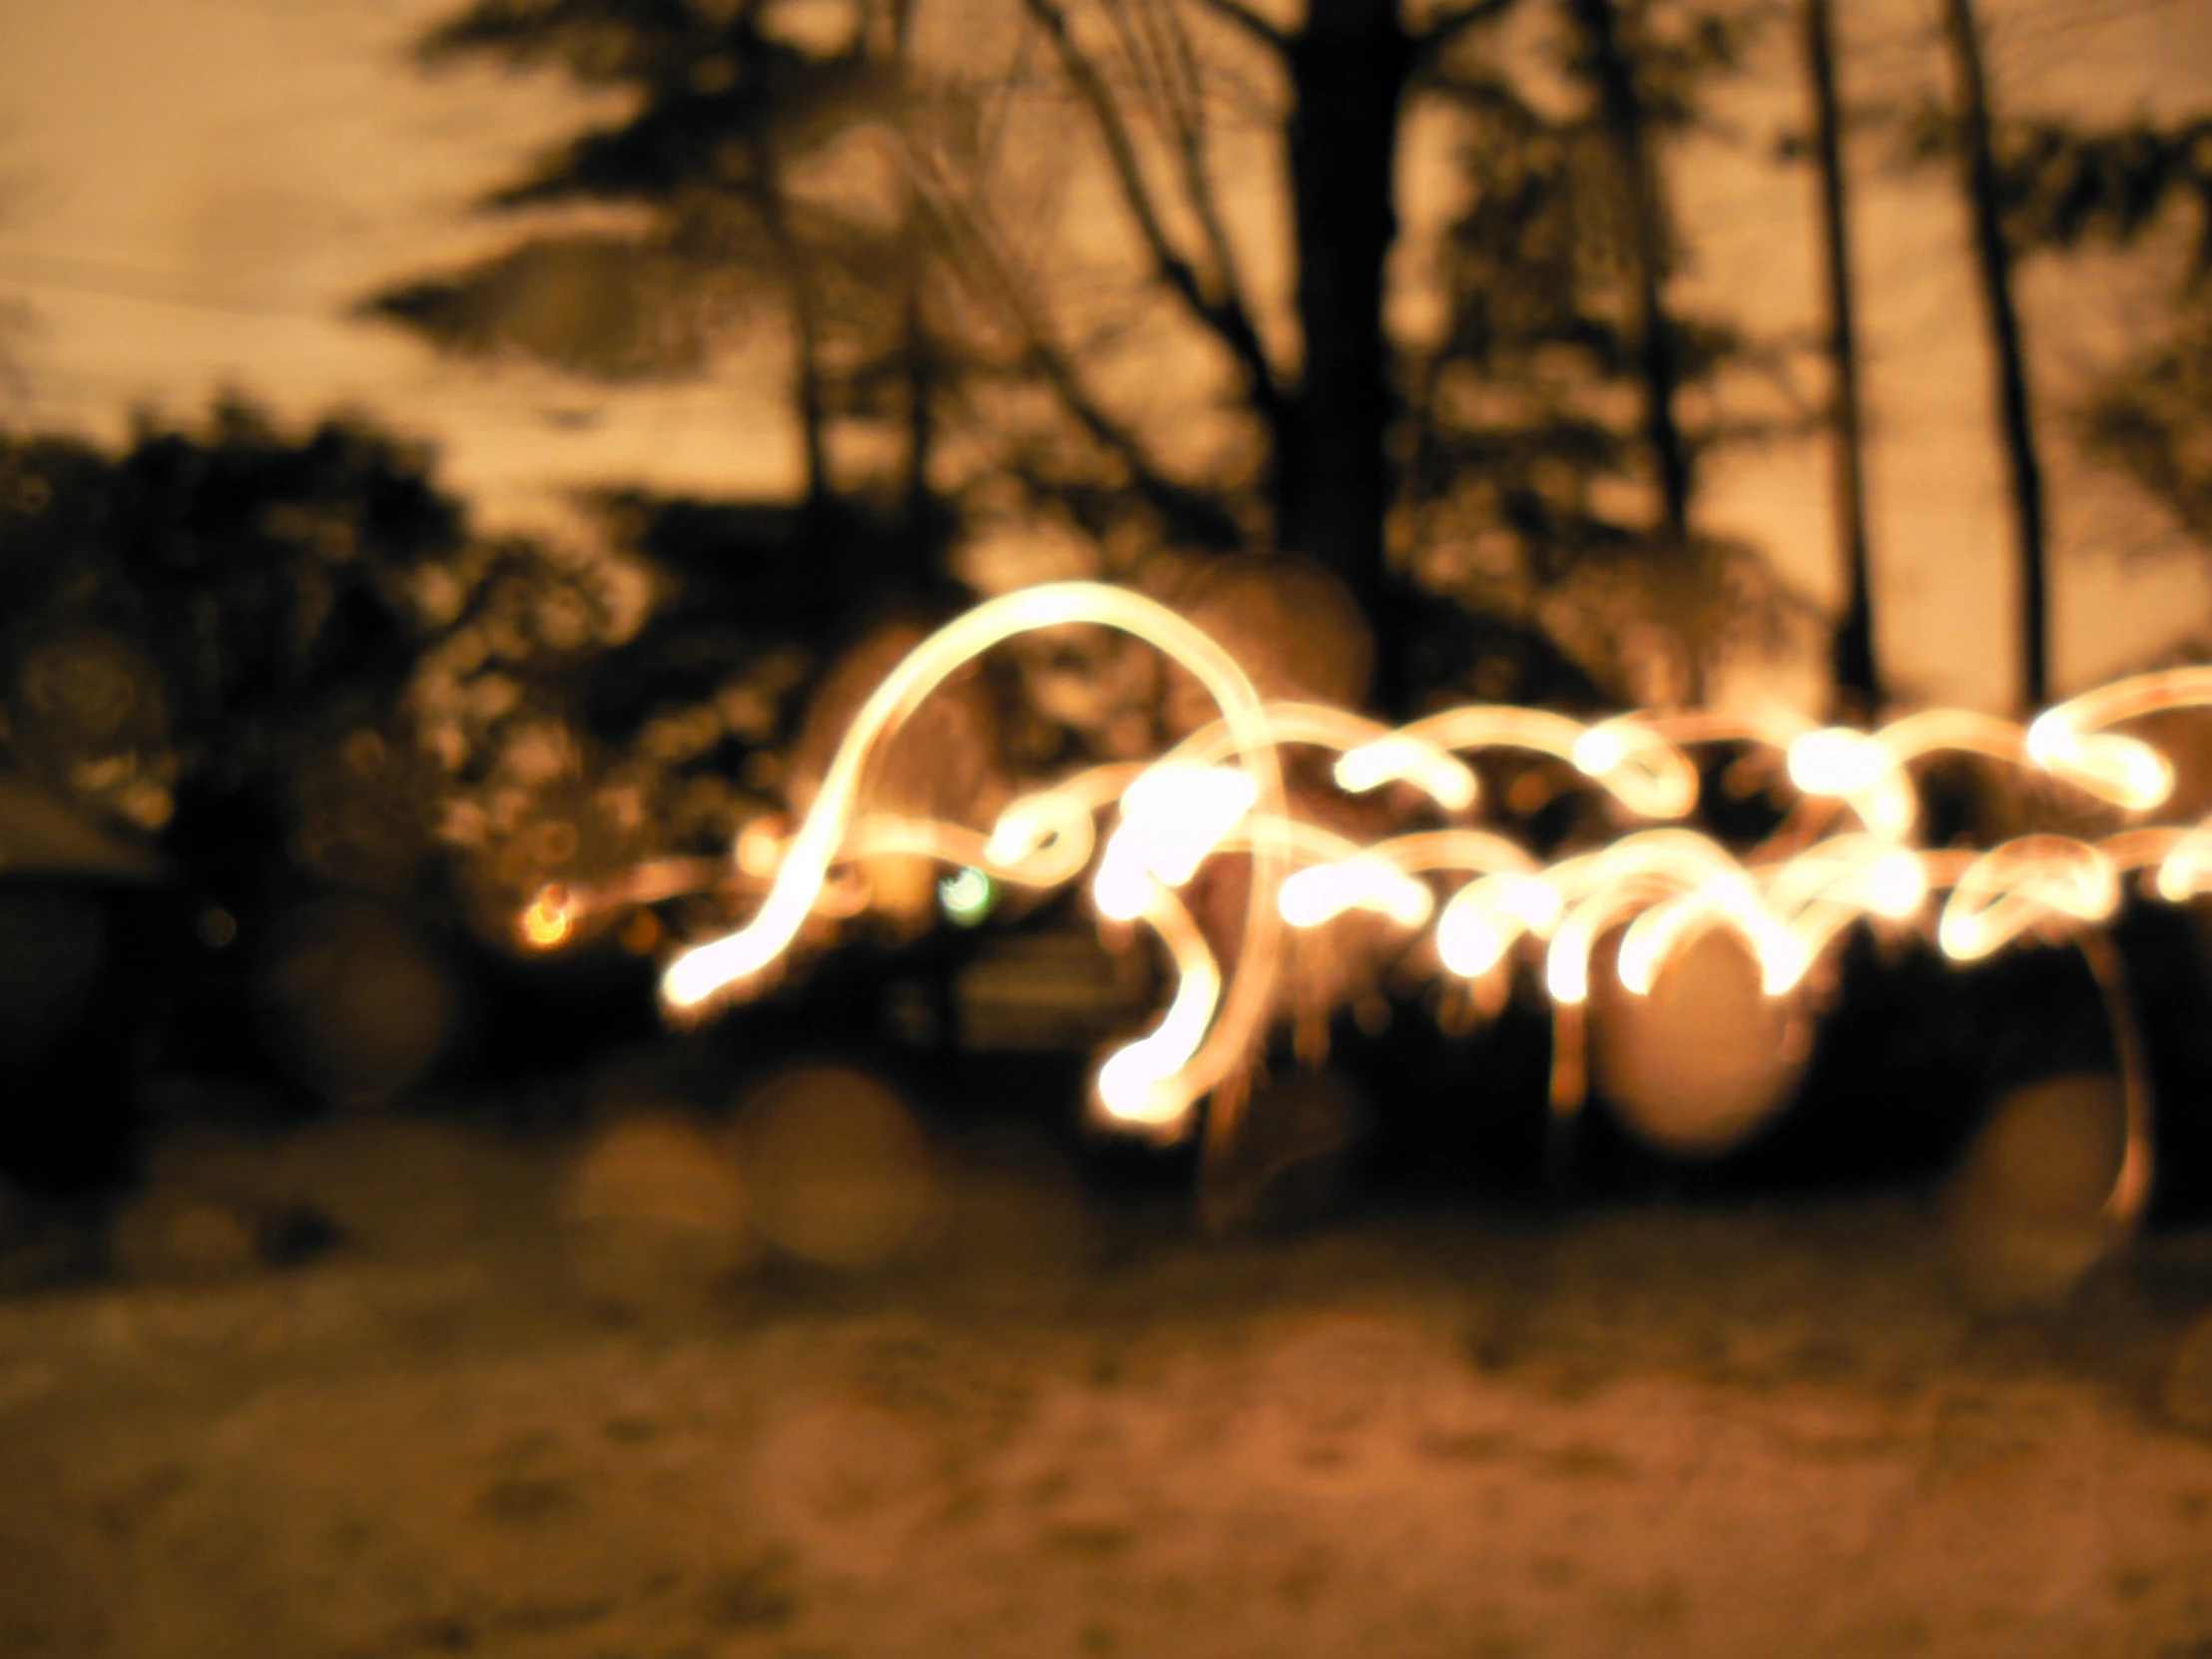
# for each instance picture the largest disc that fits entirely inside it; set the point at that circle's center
(2058, 188)
(197, 623)
(919, 304)
(2068, 188)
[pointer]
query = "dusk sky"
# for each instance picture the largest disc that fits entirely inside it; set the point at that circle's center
(191, 193)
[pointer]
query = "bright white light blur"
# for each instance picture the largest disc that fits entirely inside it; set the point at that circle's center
(1322, 892)
(1598, 751)
(2022, 887)
(1400, 757)
(1836, 760)
(1123, 889)
(1136, 1086)
(1644, 771)
(1175, 815)
(2125, 770)
(1470, 941)
(1567, 967)
(1484, 917)
(1896, 887)
(2187, 871)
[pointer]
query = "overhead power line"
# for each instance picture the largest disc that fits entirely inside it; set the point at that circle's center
(111, 280)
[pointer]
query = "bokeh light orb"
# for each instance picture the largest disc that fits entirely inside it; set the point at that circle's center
(838, 1168)
(2025, 1213)
(1700, 1062)
(655, 1213)
(354, 1002)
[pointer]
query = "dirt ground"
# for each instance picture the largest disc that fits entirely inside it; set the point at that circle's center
(1070, 1428)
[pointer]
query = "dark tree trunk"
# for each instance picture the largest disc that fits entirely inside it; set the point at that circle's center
(921, 421)
(1349, 69)
(1857, 684)
(1993, 265)
(919, 503)
(812, 417)
(806, 387)
(1651, 328)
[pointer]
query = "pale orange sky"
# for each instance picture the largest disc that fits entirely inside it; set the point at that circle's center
(192, 190)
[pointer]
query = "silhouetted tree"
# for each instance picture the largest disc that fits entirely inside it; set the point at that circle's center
(1553, 463)
(211, 634)
(2050, 187)
(2062, 187)
(940, 308)
(2016, 414)
(722, 112)
(1857, 681)
(2149, 420)
(1358, 427)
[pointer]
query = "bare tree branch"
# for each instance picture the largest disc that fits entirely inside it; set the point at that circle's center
(976, 254)
(1159, 59)
(1226, 316)
(1251, 22)
(1189, 110)
(1136, 22)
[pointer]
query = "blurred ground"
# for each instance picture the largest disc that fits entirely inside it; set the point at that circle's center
(1064, 1427)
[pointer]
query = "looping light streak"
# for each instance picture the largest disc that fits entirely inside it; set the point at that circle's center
(1481, 922)
(2186, 869)
(1371, 755)
(1321, 893)
(1221, 793)
(706, 975)
(1143, 1087)
(2124, 771)
(2035, 884)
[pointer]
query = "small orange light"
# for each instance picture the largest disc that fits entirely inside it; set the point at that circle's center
(546, 922)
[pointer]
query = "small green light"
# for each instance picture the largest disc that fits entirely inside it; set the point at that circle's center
(967, 896)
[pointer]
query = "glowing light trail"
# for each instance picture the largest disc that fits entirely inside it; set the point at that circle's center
(723, 967)
(1221, 793)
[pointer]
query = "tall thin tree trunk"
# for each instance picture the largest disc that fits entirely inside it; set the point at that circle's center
(1628, 126)
(921, 413)
(1349, 69)
(1993, 265)
(920, 426)
(807, 389)
(1857, 683)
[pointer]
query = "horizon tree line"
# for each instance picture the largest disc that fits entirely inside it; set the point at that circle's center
(1512, 482)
